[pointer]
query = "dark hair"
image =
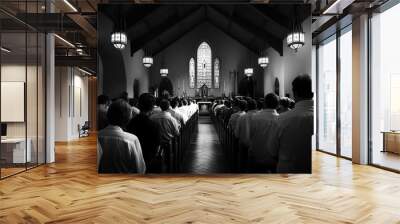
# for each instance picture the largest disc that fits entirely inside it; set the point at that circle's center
(291, 103)
(242, 105)
(184, 102)
(174, 102)
(103, 99)
(251, 104)
(260, 104)
(228, 103)
(302, 86)
(146, 102)
(119, 113)
(271, 101)
(164, 104)
(284, 101)
(124, 96)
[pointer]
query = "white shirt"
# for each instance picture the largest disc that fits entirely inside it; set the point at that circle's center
(119, 152)
(184, 116)
(242, 130)
(261, 127)
(234, 118)
(291, 144)
(169, 126)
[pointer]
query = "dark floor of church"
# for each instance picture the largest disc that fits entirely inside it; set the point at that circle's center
(205, 154)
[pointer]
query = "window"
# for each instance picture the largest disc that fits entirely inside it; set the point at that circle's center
(204, 65)
(346, 75)
(191, 73)
(327, 96)
(385, 88)
(216, 73)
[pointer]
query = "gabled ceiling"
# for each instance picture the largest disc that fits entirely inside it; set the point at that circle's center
(256, 26)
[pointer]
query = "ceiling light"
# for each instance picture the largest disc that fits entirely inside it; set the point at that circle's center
(5, 50)
(263, 61)
(295, 40)
(64, 40)
(248, 72)
(70, 5)
(164, 72)
(147, 61)
(119, 40)
(84, 71)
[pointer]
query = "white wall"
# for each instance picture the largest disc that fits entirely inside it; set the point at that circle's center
(117, 68)
(290, 65)
(70, 83)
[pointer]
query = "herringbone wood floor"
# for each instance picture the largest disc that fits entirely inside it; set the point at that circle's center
(71, 191)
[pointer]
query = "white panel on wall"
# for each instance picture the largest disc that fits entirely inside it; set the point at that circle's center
(12, 101)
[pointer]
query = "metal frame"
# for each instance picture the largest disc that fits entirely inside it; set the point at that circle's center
(387, 5)
(44, 74)
(338, 153)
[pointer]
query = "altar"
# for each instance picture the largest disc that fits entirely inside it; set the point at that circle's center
(204, 107)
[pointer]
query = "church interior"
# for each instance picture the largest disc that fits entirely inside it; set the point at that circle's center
(174, 111)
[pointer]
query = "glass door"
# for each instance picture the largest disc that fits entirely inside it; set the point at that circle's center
(326, 104)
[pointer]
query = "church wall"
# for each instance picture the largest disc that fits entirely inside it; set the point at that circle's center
(117, 68)
(232, 54)
(290, 65)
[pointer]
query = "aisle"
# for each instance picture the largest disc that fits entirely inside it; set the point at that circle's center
(205, 154)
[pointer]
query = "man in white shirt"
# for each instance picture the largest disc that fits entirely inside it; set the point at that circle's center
(242, 130)
(169, 126)
(291, 145)
(176, 113)
(119, 151)
(260, 128)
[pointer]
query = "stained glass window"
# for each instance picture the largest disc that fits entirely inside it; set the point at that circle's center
(191, 73)
(204, 75)
(216, 73)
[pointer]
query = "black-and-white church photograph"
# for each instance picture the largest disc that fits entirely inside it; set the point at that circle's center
(204, 88)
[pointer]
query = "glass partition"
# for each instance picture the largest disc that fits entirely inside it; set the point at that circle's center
(327, 96)
(22, 87)
(385, 89)
(346, 93)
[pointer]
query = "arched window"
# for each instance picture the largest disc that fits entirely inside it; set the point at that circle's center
(204, 75)
(191, 73)
(216, 73)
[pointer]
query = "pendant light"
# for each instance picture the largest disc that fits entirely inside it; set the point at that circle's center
(147, 60)
(163, 70)
(263, 60)
(295, 39)
(248, 72)
(118, 37)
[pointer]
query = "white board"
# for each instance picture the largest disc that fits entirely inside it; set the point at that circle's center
(12, 101)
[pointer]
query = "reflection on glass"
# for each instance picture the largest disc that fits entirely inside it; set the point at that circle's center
(327, 96)
(385, 84)
(346, 94)
(15, 150)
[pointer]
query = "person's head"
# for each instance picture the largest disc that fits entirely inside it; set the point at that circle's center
(158, 100)
(103, 100)
(184, 102)
(302, 88)
(124, 96)
(260, 104)
(242, 105)
(119, 113)
(284, 102)
(174, 103)
(251, 104)
(271, 101)
(228, 103)
(146, 102)
(180, 103)
(164, 104)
